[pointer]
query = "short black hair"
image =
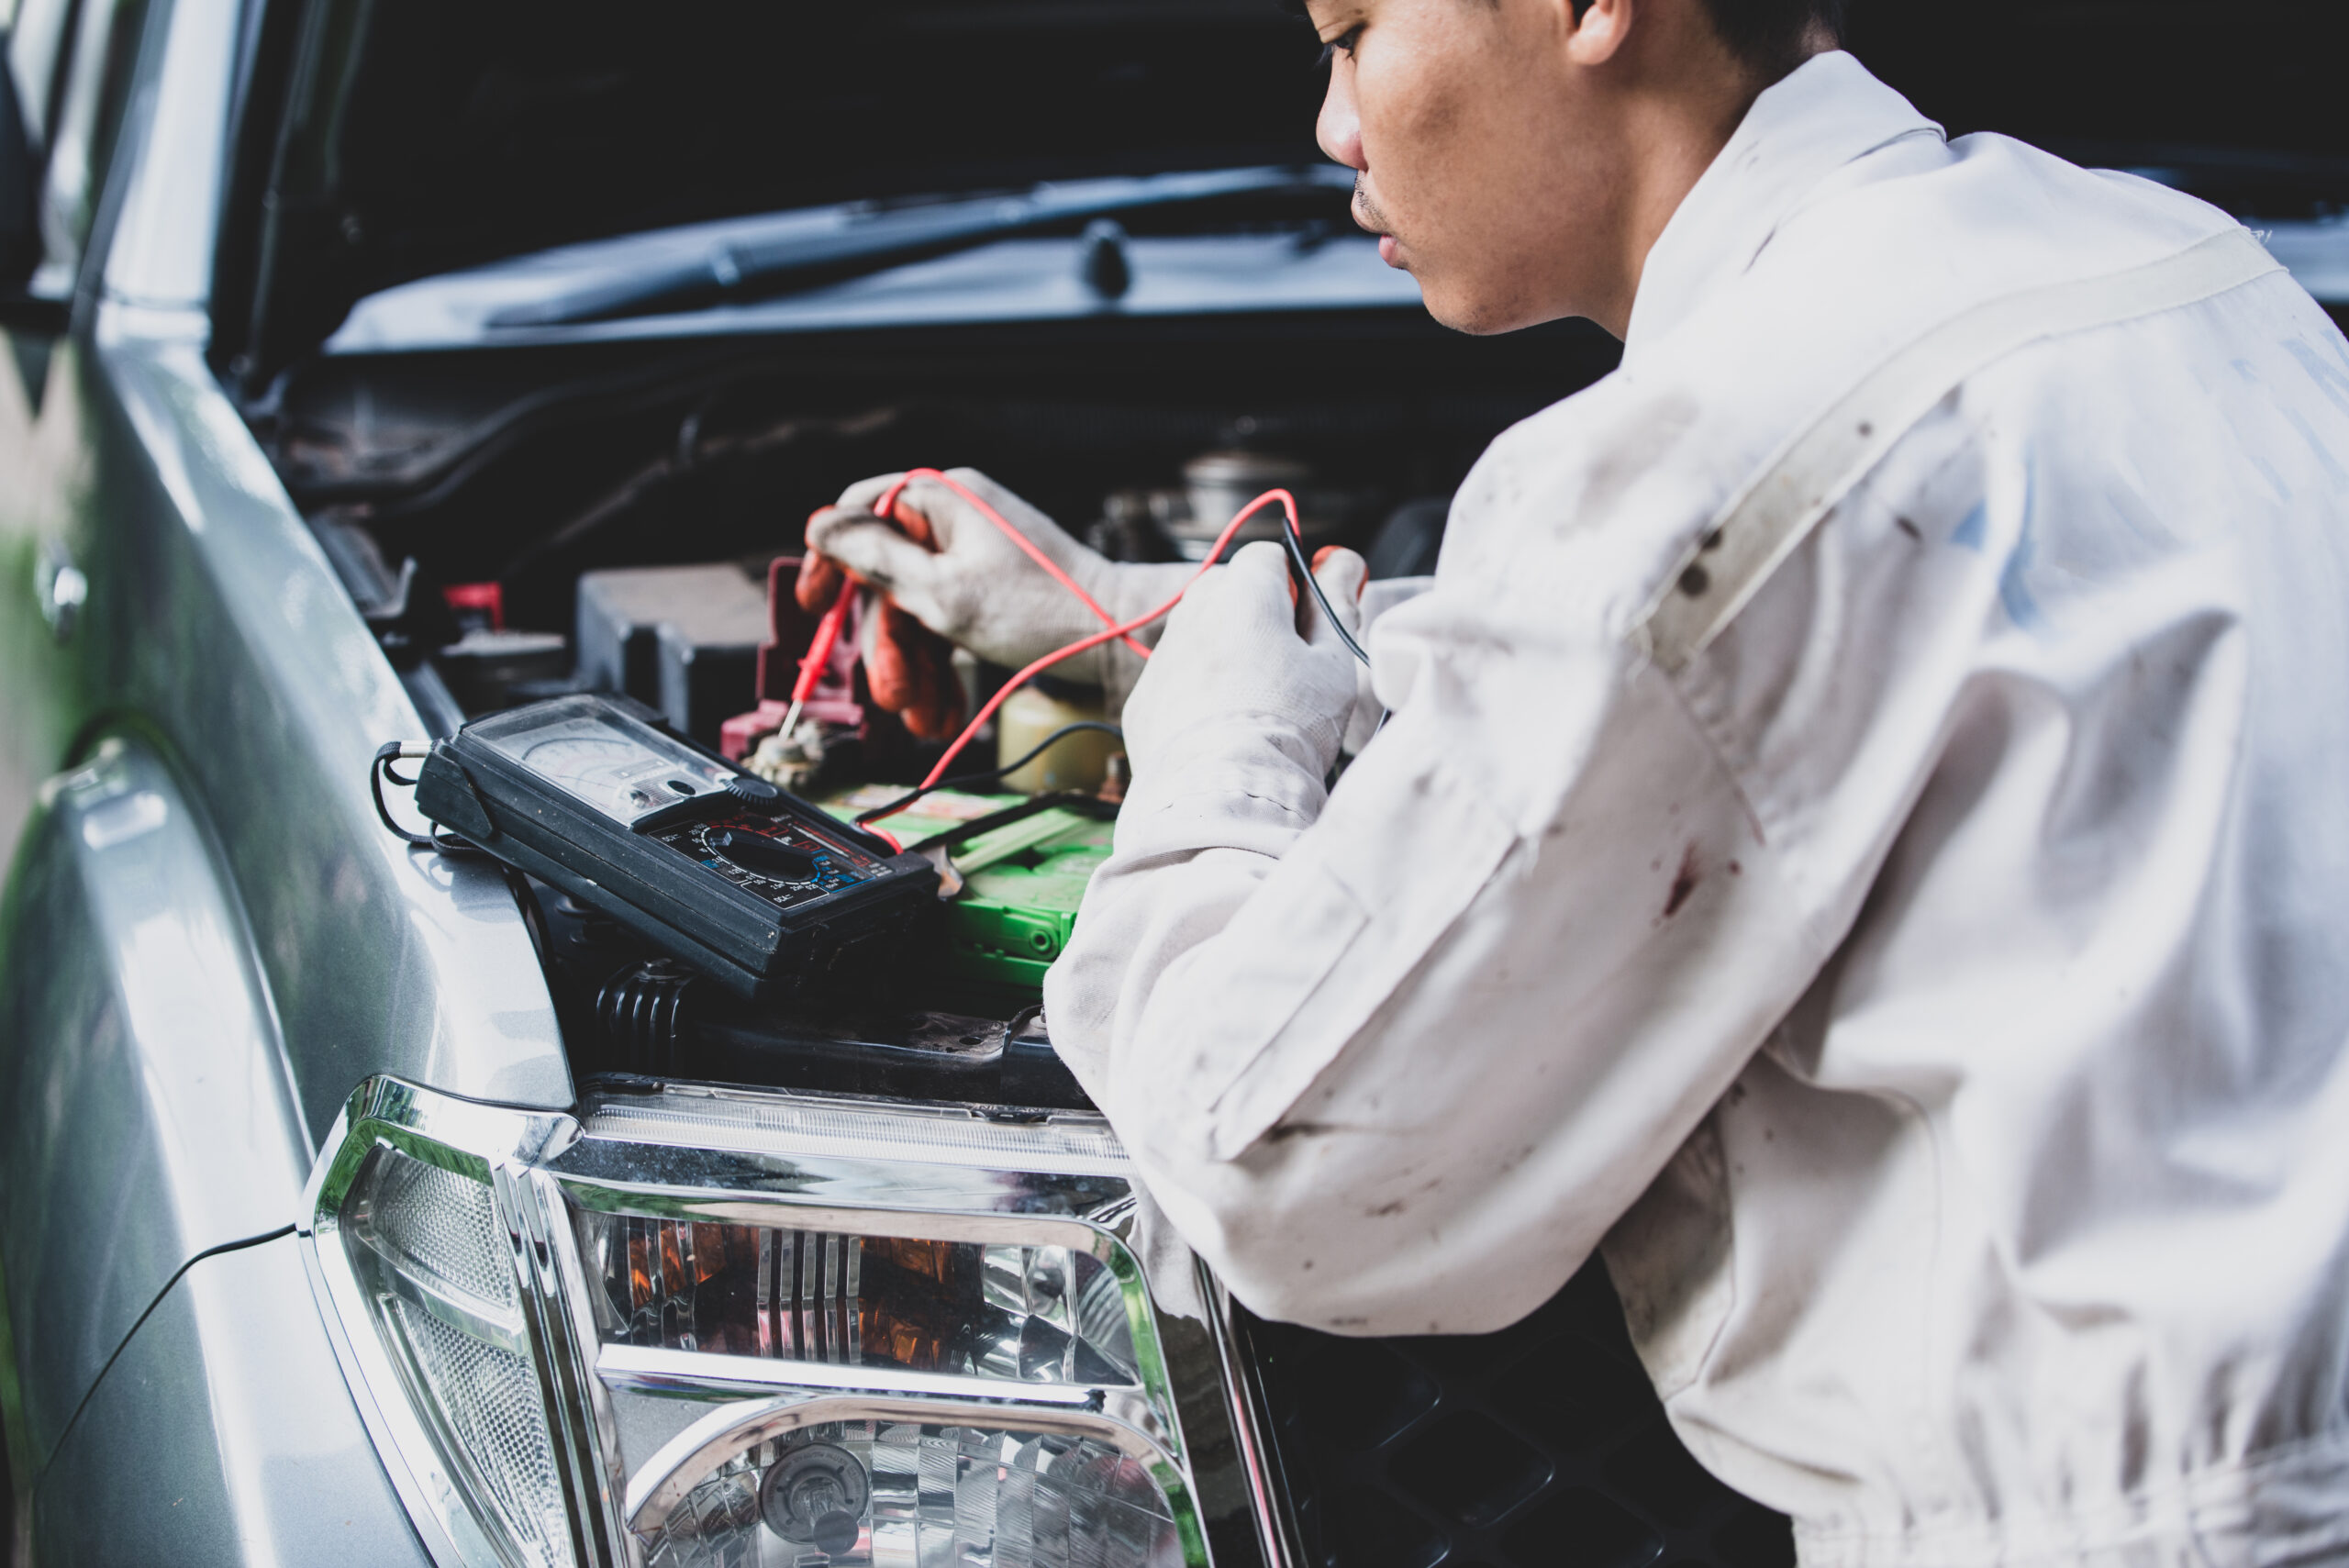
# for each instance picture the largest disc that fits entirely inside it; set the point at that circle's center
(1774, 36)
(1770, 35)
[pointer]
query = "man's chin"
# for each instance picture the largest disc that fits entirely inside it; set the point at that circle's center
(1478, 314)
(1471, 316)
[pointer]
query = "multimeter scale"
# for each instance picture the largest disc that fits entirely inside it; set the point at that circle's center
(754, 888)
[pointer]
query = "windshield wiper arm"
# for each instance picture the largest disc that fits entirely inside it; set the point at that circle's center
(755, 258)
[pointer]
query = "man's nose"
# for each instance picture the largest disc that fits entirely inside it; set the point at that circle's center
(1339, 127)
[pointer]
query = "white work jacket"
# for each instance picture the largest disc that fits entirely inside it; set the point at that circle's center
(1930, 993)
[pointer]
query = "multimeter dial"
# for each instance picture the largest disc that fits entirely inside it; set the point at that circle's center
(624, 769)
(778, 862)
(763, 856)
(577, 759)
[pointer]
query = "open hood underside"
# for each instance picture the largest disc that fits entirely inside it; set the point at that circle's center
(385, 143)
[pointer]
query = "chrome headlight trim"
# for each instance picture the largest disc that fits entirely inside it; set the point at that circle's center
(776, 1159)
(479, 1143)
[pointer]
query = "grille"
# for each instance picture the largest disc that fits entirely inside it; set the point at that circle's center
(1542, 1446)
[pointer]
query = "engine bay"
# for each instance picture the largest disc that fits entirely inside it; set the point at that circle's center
(625, 521)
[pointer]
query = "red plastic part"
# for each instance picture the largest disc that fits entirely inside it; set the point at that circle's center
(738, 735)
(488, 597)
(791, 631)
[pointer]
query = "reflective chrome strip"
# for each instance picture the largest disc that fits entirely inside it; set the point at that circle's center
(649, 1369)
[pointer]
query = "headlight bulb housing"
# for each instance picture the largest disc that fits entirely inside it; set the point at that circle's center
(816, 1492)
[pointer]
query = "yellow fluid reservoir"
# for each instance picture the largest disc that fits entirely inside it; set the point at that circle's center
(1078, 762)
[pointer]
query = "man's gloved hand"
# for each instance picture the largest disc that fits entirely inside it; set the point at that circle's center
(942, 561)
(1234, 673)
(908, 669)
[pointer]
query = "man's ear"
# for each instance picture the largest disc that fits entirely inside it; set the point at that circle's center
(1597, 35)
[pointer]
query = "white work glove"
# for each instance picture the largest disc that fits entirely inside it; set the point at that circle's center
(1234, 687)
(976, 588)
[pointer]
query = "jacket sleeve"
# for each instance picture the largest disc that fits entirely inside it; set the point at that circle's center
(1394, 1061)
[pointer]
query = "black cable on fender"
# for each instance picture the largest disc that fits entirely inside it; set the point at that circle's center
(377, 773)
(380, 770)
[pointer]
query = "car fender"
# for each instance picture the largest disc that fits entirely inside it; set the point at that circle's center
(147, 1115)
(223, 1435)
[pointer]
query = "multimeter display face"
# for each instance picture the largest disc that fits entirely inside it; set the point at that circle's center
(780, 862)
(624, 769)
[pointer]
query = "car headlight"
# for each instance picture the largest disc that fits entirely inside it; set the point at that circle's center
(726, 1328)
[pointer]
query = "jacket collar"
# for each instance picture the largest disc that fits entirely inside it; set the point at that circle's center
(1827, 114)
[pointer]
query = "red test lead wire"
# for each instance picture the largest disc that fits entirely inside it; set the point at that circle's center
(819, 652)
(827, 631)
(1114, 631)
(811, 670)
(818, 655)
(888, 506)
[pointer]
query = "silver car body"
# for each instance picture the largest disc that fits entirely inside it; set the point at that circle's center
(208, 939)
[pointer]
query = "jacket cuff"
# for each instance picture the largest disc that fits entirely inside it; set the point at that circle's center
(1243, 783)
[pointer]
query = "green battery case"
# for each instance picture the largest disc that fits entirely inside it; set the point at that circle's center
(1022, 884)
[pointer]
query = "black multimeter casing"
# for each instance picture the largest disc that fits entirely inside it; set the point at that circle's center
(753, 888)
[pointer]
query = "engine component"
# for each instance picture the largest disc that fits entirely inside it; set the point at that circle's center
(488, 669)
(795, 761)
(406, 614)
(1021, 887)
(643, 1013)
(767, 741)
(1025, 864)
(1216, 485)
(683, 639)
(1039, 709)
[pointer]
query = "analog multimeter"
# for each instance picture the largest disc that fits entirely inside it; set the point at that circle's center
(752, 886)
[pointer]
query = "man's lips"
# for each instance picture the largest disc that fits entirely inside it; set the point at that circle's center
(1367, 216)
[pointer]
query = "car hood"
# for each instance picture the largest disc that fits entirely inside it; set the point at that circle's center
(385, 143)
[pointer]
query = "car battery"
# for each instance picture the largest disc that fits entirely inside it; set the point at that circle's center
(1022, 883)
(1020, 892)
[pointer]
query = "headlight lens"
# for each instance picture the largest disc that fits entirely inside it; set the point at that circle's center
(868, 1492)
(1028, 1314)
(699, 1328)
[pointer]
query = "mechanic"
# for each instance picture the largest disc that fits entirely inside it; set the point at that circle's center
(1860, 838)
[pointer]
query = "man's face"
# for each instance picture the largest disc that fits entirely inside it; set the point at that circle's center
(1485, 165)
